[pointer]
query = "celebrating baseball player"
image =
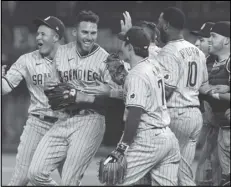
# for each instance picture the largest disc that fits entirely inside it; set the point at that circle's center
(220, 74)
(36, 68)
(209, 132)
(77, 138)
(185, 73)
(147, 144)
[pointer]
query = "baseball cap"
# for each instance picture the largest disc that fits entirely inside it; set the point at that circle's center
(204, 30)
(222, 28)
(53, 23)
(136, 36)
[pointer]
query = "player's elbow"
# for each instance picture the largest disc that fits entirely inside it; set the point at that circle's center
(5, 87)
(169, 91)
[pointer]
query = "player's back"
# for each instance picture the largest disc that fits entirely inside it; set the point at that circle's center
(152, 92)
(190, 64)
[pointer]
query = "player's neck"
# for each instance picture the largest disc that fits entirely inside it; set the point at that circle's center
(223, 55)
(136, 60)
(175, 36)
(51, 56)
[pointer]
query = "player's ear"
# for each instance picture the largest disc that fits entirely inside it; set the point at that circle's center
(166, 26)
(226, 41)
(74, 32)
(56, 37)
(130, 47)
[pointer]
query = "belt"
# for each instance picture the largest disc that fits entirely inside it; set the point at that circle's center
(46, 118)
(80, 112)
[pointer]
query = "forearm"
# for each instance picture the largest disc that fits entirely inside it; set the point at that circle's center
(222, 96)
(205, 89)
(117, 93)
(131, 125)
(5, 87)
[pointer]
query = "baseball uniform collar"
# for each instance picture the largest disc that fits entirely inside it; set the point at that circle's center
(38, 56)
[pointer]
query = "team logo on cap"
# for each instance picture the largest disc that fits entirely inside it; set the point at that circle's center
(47, 18)
(132, 96)
(203, 26)
(57, 28)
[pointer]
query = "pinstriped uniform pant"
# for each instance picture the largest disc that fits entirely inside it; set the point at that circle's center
(186, 123)
(155, 152)
(76, 140)
(33, 132)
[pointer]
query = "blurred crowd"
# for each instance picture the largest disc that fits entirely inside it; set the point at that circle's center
(18, 37)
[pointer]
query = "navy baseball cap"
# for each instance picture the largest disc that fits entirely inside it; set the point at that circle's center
(204, 30)
(222, 28)
(53, 23)
(136, 36)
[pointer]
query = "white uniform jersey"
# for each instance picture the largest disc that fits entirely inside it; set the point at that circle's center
(83, 70)
(144, 88)
(35, 70)
(184, 67)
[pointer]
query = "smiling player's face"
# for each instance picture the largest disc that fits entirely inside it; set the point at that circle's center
(46, 39)
(86, 35)
(203, 44)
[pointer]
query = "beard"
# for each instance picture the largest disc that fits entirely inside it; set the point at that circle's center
(163, 36)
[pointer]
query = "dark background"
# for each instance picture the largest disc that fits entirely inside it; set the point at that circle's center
(18, 37)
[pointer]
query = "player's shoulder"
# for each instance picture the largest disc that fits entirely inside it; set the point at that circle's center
(67, 46)
(143, 69)
(100, 50)
(34, 55)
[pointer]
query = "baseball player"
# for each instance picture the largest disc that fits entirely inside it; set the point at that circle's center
(209, 131)
(220, 74)
(148, 144)
(185, 73)
(36, 68)
(77, 138)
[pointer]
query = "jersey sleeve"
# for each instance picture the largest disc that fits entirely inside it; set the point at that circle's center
(136, 92)
(170, 69)
(16, 72)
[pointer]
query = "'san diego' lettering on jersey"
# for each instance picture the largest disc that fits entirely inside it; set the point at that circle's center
(78, 74)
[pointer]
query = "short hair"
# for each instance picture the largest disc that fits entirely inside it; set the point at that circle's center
(87, 15)
(151, 27)
(175, 17)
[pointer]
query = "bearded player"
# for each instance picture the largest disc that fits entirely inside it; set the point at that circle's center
(185, 73)
(77, 138)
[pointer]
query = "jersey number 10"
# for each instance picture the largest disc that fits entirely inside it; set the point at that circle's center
(192, 74)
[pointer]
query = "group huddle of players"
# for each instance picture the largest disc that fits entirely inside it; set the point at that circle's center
(166, 90)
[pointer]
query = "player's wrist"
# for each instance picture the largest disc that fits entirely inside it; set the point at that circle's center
(122, 147)
(114, 93)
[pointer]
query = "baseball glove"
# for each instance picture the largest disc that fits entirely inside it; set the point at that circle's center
(116, 69)
(61, 96)
(113, 168)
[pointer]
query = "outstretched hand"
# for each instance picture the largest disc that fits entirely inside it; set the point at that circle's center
(126, 24)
